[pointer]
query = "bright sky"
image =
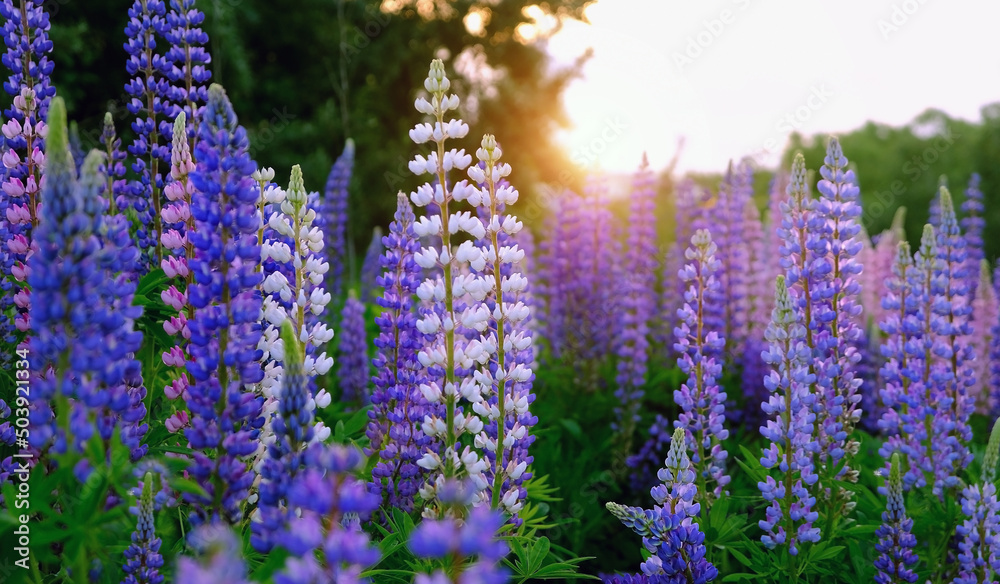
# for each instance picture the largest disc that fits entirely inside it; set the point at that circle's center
(735, 77)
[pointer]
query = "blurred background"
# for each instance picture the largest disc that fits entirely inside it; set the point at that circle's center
(573, 87)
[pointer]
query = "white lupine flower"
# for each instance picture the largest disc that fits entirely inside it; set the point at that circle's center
(423, 106)
(421, 133)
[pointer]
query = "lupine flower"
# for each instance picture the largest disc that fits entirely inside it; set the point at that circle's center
(78, 298)
(639, 303)
(335, 215)
(985, 317)
(25, 30)
(700, 397)
(953, 374)
(369, 266)
(323, 532)
(142, 558)
(899, 328)
(735, 192)
(114, 168)
(352, 369)
(759, 302)
(495, 287)
(896, 542)
(148, 89)
(833, 231)
(979, 556)
(456, 543)
(225, 329)
(668, 530)
(973, 225)
(448, 358)
(293, 285)
(918, 401)
(219, 558)
(394, 426)
(179, 222)
(186, 61)
(293, 429)
(789, 429)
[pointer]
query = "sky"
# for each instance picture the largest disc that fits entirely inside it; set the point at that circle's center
(734, 78)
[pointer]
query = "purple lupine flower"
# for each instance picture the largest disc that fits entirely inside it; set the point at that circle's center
(668, 530)
(973, 225)
(77, 300)
(455, 544)
(918, 401)
(639, 301)
(896, 542)
(352, 363)
(759, 301)
(789, 429)
(558, 253)
(25, 30)
(148, 88)
(142, 558)
(324, 532)
(899, 328)
(626, 579)
(225, 329)
(293, 428)
(833, 231)
(953, 373)
(979, 556)
(335, 215)
(219, 558)
(394, 427)
(700, 397)
(735, 192)
(114, 167)
(370, 265)
(185, 65)
(994, 368)
(985, 317)
(677, 490)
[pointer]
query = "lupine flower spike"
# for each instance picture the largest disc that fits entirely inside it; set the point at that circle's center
(142, 558)
(224, 356)
(700, 397)
(790, 515)
(979, 545)
(895, 546)
(352, 369)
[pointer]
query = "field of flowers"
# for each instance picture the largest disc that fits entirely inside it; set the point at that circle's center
(195, 389)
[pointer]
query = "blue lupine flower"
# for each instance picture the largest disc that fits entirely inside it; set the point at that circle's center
(394, 426)
(973, 225)
(149, 90)
(225, 330)
(335, 216)
(328, 506)
(896, 542)
(952, 373)
(677, 545)
(370, 266)
(116, 192)
(833, 231)
(352, 364)
(900, 328)
(456, 543)
(979, 546)
(78, 299)
(700, 397)
(639, 303)
(142, 558)
(185, 65)
(727, 229)
(789, 429)
(219, 558)
(293, 428)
